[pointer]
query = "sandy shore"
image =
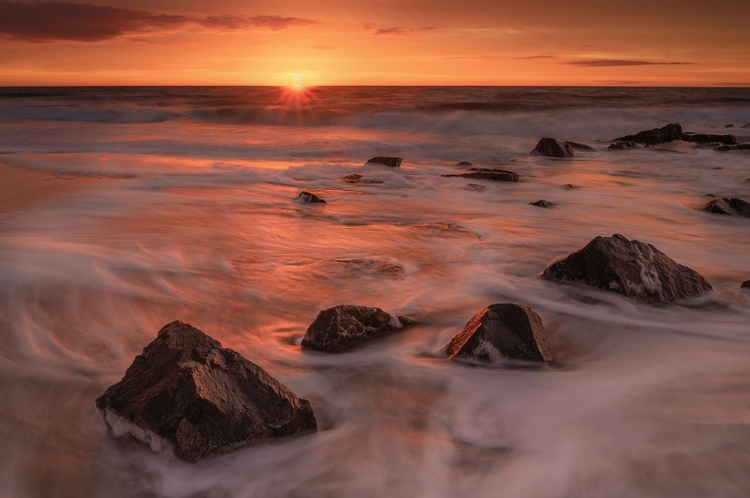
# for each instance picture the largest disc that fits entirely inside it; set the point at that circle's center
(21, 188)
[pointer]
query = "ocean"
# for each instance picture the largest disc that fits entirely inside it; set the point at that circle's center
(187, 212)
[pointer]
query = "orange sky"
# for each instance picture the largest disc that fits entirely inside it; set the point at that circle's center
(375, 42)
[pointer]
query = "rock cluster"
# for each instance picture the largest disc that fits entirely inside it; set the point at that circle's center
(500, 332)
(187, 395)
(629, 267)
(672, 131)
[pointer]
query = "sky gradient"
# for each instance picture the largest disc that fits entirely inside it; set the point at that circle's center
(375, 42)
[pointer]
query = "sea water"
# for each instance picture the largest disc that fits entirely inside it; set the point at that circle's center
(188, 213)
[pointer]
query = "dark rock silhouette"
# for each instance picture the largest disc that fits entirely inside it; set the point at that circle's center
(550, 147)
(501, 331)
(309, 198)
(343, 326)
(498, 175)
(391, 162)
(732, 206)
(186, 394)
(464, 163)
(729, 126)
(704, 138)
(632, 268)
(542, 203)
(623, 145)
(745, 284)
(667, 133)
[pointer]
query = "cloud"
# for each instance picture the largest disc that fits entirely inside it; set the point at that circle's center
(620, 62)
(59, 20)
(529, 57)
(399, 31)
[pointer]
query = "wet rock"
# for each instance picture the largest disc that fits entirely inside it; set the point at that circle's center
(724, 148)
(667, 133)
(391, 162)
(359, 178)
(345, 325)
(309, 198)
(501, 331)
(705, 138)
(745, 284)
(579, 146)
(474, 187)
(569, 186)
(542, 203)
(746, 125)
(497, 175)
(187, 395)
(732, 206)
(464, 163)
(729, 126)
(550, 147)
(623, 145)
(743, 146)
(629, 267)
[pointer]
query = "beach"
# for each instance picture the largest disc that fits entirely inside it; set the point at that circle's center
(120, 215)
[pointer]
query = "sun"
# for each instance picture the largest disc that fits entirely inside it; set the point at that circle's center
(297, 84)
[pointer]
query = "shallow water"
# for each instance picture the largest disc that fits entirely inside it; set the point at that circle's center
(191, 217)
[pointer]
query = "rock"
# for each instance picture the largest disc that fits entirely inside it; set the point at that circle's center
(578, 146)
(746, 125)
(731, 206)
(358, 178)
(632, 268)
(729, 126)
(704, 138)
(501, 331)
(667, 133)
(745, 284)
(743, 146)
(569, 186)
(498, 175)
(464, 163)
(345, 325)
(550, 147)
(474, 187)
(623, 145)
(187, 395)
(309, 198)
(391, 162)
(542, 203)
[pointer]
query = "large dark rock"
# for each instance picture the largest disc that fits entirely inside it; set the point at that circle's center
(709, 138)
(309, 198)
(345, 325)
(667, 133)
(629, 267)
(391, 162)
(499, 332)
(550, 147)
(731, 206)
(186, 394)
(497, 175)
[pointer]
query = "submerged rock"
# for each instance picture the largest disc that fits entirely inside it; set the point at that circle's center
(709, 138)
(391, 162)
(187, 395)
(745, 284)
(630, 267)
(464, 163)
(501, 331)
(309, 198)
(550, 147)
(732, 206)
(497, 175)
(345, 325)
(667, 133)
(542, 203)
(623, 145)
(359, 178)
(579, 146)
